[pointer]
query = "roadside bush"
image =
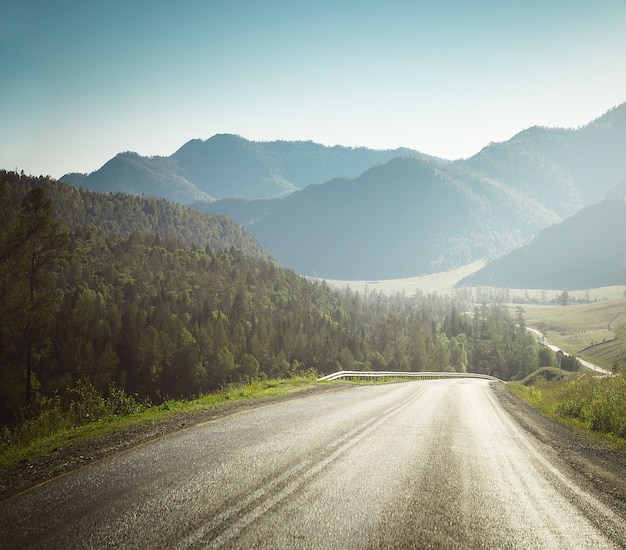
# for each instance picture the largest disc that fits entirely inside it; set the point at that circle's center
(598, 402)
(86, 405)
(608, 408)
(121, 404)
(572, 399)
(48, 418)
(570, 363)
(51, 416)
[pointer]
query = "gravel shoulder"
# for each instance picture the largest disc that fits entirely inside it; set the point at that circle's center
(599, 469)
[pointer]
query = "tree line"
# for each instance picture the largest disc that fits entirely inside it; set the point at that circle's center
(157, 318)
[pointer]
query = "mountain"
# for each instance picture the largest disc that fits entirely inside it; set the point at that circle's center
(407, 217)
(136, 175)
(564, 169)
(231, 166)
(354, 213)
(416, 215)
(587, 250)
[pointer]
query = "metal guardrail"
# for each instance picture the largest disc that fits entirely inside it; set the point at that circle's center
(398, 374)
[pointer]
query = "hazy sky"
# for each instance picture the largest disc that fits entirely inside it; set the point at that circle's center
(83, 80)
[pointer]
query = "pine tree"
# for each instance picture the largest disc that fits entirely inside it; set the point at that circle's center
(36, 244)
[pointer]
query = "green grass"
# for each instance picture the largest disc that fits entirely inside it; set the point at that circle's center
(595, 332)
(55, 428)
(593, 406)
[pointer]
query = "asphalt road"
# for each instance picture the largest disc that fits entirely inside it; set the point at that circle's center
(409, 465)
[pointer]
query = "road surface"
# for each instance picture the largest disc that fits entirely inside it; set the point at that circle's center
(435, 464)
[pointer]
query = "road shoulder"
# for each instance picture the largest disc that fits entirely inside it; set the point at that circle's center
(600, 470)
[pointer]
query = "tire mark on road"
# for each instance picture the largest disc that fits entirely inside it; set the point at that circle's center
(227, 525)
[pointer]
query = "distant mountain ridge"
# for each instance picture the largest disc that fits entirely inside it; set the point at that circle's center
(136, 175)
(564, 168)
(227, 166)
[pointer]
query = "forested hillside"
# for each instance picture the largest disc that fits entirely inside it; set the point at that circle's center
(587, 250)
(123, 214)
(136, 175)
(149, 316)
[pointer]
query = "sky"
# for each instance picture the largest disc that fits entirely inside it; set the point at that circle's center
(81, 81)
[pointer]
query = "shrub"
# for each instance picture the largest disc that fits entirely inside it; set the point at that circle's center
(121, 404)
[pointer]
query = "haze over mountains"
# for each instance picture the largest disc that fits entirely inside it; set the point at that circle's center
(346, 213)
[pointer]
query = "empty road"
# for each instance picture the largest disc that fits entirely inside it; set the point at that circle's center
(425, 464)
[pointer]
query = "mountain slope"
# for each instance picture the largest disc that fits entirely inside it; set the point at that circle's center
(564, 169)
(407, 217)
(136, 175)
(395, 213)
(229, 166)
(587, 250)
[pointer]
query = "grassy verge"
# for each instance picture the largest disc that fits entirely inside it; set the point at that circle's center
(592, 406)
(90, 417)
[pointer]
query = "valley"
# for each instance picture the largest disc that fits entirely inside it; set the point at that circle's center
(313, 275)
(440, 283)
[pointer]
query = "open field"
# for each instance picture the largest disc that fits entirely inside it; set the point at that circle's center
(444, 283)
(595, 332)
(544, 296)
